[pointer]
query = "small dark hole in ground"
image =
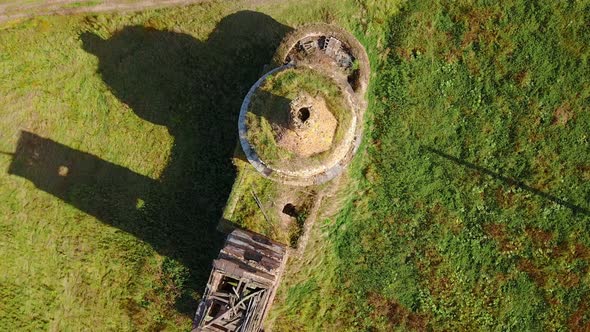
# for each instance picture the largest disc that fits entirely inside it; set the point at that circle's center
(290, 210)
(303, 114)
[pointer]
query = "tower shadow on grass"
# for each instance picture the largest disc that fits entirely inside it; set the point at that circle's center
(510, 181)
(193, 88)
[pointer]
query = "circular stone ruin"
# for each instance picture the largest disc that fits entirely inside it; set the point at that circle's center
(301, 123)
(310, 127)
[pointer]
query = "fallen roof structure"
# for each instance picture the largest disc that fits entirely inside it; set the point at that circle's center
(241, 285)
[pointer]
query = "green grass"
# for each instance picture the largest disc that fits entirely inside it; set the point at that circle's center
(242, 209)
(79, 4)
(141, 109)
(471, 209)
(270, 105)
(467, 208)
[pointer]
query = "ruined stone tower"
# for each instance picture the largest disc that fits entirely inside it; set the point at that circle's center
(300, 124)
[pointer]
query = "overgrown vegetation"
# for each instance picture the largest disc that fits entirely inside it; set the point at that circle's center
(122, 128)
(471, 211)
(243, 209)
(468, 209)
(270, 107)
(258, 204)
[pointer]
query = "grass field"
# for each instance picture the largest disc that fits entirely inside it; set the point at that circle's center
(117, 132)
(467, 208)
(472, 206)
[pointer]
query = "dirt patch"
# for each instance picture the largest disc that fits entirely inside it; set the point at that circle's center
(535, 273)
(311, 127)
(584, 171)
(563, 252)
(16, 11)
(522, 78)
(499, 233)
(396, 314)
(409, 54)
(562, 114)
(570, 280)
(476, 20)
(441, 215)
(454, 54)
(503, 198)
(571, 252)
(580, 319)
(438, 284)
(68, 7)
(581, 252)
(540, 238)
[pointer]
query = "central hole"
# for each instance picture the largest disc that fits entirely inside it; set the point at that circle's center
(303, 114)
(290, 210)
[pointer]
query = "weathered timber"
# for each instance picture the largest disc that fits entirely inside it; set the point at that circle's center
(243, 280)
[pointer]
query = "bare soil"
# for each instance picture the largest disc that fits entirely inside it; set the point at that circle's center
(314, 139)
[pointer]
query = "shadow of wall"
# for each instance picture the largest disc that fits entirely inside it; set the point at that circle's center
(193, 88)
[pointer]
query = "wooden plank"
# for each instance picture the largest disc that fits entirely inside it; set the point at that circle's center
(244, 243)
(242, 236)
(254, 261)
(233, 268)
(264, 264)
(260, 239)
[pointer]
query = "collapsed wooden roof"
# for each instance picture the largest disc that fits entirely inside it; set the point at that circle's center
(241, 285)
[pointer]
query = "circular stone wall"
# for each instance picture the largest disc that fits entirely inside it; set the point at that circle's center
(298, 120)
(301, 123)
(348, 56)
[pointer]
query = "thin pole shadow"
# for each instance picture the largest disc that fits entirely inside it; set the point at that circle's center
(195, 89)
(511, 181)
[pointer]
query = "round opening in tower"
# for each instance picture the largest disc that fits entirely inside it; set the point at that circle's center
(298, 119)
(303, 114)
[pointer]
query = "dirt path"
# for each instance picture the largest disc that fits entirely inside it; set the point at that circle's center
(14, 11)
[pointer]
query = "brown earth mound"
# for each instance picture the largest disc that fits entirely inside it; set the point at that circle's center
(311, 127)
